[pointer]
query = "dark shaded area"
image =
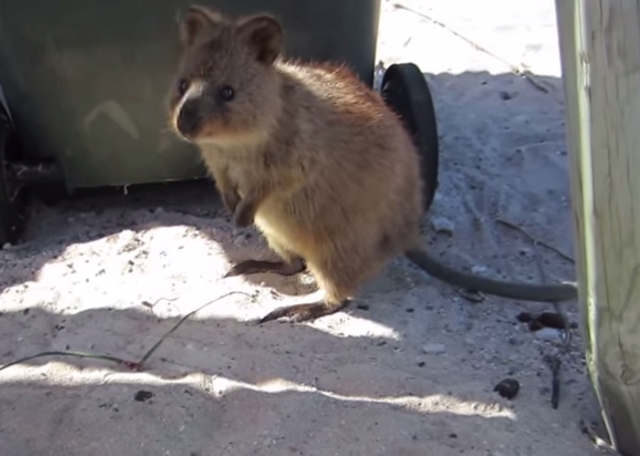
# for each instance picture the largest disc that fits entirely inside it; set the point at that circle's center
(203, 393)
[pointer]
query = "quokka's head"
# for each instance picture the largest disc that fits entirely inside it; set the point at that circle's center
(225, 87)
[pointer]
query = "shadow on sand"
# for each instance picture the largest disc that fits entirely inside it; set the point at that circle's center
(221, 385)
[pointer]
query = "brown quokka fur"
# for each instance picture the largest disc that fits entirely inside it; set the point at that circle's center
(312, 156)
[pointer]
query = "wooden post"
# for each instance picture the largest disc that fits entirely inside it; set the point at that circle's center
(600, 49)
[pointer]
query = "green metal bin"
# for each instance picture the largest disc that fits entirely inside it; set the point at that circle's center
(85, 80)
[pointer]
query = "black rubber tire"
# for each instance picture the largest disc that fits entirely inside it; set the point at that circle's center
(11, 205)
(406, 91)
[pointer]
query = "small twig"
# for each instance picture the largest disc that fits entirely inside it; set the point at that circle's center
(554, 361)
(535, 240)
(555, 383)
(133, 365)
(129, 364)
(528, 75)
(151, 306)
(556, 305)
(519, 70)
(148, 354)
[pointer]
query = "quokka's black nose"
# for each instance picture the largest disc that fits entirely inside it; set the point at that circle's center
(189, 119)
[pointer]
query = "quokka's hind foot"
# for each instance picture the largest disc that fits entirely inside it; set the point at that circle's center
(284, 268)
(304, 312)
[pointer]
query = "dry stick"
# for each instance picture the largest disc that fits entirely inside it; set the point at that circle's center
(534, 239)
(554, 361)
(129, 364)
(519, 70)
(133, 365)
(151, 306)
(554, 364)
(182, 320)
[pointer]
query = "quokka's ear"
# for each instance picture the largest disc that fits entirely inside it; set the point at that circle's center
(263, 33)
(195, 20)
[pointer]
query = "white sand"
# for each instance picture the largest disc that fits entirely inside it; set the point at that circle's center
(355, 383)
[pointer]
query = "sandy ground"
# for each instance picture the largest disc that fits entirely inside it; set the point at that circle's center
(408, 369)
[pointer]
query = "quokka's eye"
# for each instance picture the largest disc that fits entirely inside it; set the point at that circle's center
(226, 93)
(183, 86)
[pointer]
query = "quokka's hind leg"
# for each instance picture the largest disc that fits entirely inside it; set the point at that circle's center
(338, 280)
(291, 264)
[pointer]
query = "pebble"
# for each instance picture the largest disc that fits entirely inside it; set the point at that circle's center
(549, 334)
(443, 225)
(507, 388)
(434, 349)
(524, 251)
(6, 246)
